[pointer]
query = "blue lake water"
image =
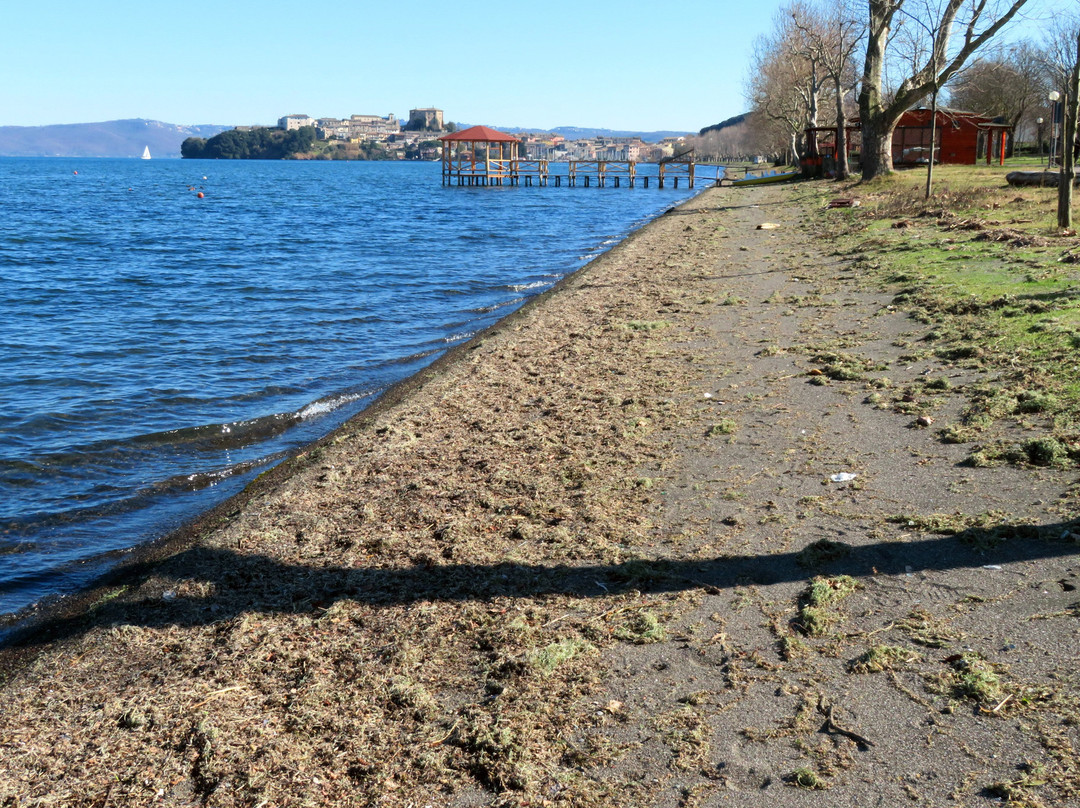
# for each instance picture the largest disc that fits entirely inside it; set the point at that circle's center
(157, 350)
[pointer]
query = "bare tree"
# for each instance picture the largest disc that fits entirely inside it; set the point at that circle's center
(735, 142)
(1068, 152)
(1055, 56)
(956, 29)
(1009, 84)
(915, 44)
(1060, 57)
(832, 35)
(786, 81)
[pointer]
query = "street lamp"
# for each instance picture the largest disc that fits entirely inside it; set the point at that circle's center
(1038, 138)
(1054, 97)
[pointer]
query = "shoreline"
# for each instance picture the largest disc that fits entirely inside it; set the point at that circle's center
(19, 628)
(127, 553)
(596, 557)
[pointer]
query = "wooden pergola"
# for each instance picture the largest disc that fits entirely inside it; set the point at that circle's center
(481, 155)
(460, 163)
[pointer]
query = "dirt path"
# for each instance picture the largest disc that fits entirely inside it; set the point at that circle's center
(597, 557)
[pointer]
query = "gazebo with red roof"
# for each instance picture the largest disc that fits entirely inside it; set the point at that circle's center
(460, 158)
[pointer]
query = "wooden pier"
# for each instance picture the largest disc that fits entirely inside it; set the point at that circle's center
(481, 156)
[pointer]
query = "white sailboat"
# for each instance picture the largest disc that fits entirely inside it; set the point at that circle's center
(146, 153)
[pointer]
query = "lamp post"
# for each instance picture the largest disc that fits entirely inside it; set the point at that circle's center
(1038, 138)
(1055, 109)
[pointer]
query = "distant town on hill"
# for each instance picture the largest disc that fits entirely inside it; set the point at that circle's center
(129, 137)
(386, 137)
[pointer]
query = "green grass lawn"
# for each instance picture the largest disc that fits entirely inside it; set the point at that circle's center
(985, 267)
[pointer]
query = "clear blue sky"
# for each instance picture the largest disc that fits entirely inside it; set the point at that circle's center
(619, 65)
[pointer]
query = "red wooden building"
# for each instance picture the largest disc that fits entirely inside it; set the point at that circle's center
(961, 138)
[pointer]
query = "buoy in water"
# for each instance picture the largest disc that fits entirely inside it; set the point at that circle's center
(74, 172)
(200, 195)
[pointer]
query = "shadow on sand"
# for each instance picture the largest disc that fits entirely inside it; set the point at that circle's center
(251, 583)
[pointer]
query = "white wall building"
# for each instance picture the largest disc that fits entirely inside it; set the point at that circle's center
(290, 122)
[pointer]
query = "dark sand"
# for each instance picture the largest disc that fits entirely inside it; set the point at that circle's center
(573, 563)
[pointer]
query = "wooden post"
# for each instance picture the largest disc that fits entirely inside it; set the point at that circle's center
(1070, 113)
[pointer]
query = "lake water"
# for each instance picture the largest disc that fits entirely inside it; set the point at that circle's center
(158, 350)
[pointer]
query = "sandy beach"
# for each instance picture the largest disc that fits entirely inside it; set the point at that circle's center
(649, 541)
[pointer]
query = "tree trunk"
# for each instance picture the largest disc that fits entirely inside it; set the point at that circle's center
(933, 139)
(876, 131)
(843, 170)
(876, 147)
(1068, 150)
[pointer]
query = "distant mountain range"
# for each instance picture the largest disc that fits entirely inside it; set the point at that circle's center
(125, 138)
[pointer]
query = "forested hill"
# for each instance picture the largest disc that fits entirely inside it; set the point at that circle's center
(716, 127)
(260, 143)
(126, 138)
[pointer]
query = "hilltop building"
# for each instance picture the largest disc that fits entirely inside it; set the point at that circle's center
(290, 122)
(428, 119)
(358, 127)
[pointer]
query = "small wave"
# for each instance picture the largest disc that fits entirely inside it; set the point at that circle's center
(496, 306)
(138, 499)
(221, 436)
(461, 336)
(327, 405)
(408, 359)
(207, 479)
(524, 287)
(204, 438)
